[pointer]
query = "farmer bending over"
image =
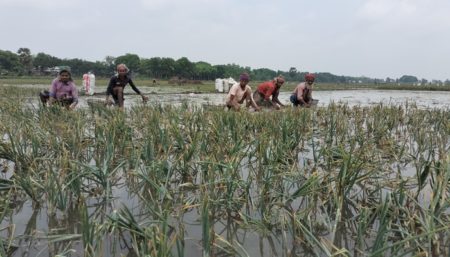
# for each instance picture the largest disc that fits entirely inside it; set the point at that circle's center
(63, 91)
(302, 93)
(117, 84)
(269, 89)
(239, 92)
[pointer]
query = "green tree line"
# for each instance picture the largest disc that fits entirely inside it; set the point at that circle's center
(23, 62)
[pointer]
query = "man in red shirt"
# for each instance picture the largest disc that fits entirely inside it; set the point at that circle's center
(269, 89)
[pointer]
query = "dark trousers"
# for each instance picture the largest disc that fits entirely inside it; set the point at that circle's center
(118, 96)
(295, 101)
(45, 96)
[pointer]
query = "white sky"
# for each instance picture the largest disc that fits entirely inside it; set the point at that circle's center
(373, 38)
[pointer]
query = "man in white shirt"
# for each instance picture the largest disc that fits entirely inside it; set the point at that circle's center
(239, 92)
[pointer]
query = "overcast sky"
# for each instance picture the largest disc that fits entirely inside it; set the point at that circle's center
(373, 38)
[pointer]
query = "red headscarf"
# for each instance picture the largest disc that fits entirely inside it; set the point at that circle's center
(310, 77)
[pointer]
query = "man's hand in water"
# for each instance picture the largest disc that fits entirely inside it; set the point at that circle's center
(109, 100)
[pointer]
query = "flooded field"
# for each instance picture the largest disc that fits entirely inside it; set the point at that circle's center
(364, 97)
(365, 174)
(423, 99)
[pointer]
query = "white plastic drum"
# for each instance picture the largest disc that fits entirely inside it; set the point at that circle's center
(219, 85)
(89, 83)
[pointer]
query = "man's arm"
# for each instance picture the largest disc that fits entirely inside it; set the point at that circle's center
(275, 98)
(232, 97)
(109, 89)
(300, 92)
(133, 86)
(250, 99)
(74, 93)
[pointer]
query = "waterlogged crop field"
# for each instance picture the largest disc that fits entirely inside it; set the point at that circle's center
(162, 180)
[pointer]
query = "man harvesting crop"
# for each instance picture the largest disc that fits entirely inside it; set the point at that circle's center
(302, 93)
(117, 84)
(269, 89)
(63, 91)
(239, 92)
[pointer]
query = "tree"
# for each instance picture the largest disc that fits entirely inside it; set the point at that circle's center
(9, 62)
(230, 70)
(145, 67)
(151, 67)
(25, 59)
(204, 71)
(43, 61)
(292, 72)
(132, 61)
(79, 66)
(167, 67)
(110, 60)
(184, 67)
(408, 79)
(155, 65)
(100, 68)
(263, 74)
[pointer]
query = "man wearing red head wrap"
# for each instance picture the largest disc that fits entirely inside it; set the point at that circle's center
(239, 92)
(269, 89)
(302, 93)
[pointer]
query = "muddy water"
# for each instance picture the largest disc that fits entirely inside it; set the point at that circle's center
(366, 97)
(423, 99)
